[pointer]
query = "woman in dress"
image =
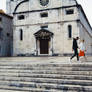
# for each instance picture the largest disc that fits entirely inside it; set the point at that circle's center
(82, 49)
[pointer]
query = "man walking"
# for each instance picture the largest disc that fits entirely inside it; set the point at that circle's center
(75, 48)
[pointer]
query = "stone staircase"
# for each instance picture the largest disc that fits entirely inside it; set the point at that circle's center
(51, 77)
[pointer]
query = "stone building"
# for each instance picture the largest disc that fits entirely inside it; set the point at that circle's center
(6, 35)
(46, 27)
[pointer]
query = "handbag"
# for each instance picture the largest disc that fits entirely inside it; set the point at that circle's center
(81, 53)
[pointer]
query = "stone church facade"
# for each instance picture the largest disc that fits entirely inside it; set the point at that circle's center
(46, 27)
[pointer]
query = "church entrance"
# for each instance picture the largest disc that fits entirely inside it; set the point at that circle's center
(43, 38)
(44, 46)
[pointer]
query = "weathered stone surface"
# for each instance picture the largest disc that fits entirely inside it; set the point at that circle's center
(6, 34)
(22, 76)
(57, 22)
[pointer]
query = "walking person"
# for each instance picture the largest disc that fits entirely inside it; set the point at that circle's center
(75, 48)
(82, 49)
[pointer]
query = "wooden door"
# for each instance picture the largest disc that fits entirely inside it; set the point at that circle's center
(44, 46)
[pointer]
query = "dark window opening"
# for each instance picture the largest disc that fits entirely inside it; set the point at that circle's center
(0, 49)
(45, 14)
(8, 35)
(0, 19)
(44, 27)
(21, 34)
(71, 11)
(0, 33)
(20, 17)
(69, 31)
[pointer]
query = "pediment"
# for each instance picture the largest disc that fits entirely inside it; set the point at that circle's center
(43, 33)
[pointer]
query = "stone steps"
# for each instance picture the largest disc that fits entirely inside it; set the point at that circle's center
(26, 86)
(45, 77)
(47, 68)
(89, 73)
(47, 80)
(25, 89)
(14, 89)
(6, 90)
(14, 64)
(34, 90)
(50, 76)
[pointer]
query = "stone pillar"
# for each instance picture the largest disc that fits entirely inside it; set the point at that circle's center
(52, 45)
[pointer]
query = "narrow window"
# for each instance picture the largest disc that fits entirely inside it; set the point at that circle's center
(0, 19)
(0, 49)
(21, 17)
(0, 33)
(45, 14)
(69, 31)
(44, 27)
(70, 11)
(21, 34)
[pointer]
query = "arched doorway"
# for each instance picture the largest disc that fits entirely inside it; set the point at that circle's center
(43, 37)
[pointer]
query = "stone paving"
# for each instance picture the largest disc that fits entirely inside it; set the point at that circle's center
(46, 60)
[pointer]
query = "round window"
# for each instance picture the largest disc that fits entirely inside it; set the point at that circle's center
(44, 2)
